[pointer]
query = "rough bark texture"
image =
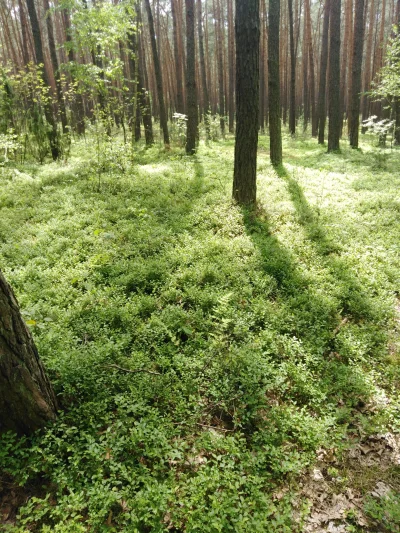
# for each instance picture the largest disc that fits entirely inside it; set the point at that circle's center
(247, 30)
(292, 106)
(335, 116)
(322, 74)
(231, 62)
(178, 60)
(143, 94)
(37, 39)
(354, 104)
(27, 401)
(158, 74)
(203, 71)
(192, 122)
(274, 98)
(396, 103)
(55, 66)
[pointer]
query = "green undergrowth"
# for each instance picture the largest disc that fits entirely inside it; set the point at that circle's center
(255, 338)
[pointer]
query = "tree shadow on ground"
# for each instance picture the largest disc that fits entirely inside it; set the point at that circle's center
(355, 301)
(315, 312)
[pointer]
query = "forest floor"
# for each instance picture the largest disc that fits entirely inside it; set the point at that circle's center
(218, 370)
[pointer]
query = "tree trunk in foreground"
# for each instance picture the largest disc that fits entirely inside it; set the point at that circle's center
(335, 116)
(247, 100)
(274, 100)
(27, 400)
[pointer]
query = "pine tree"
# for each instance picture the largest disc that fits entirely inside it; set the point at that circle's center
(27, 400)
(274, 99)
(247, 30)
(335, 116)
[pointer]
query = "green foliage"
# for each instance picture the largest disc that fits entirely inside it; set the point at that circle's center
(385, 510)
(388, 85)
(252, 339)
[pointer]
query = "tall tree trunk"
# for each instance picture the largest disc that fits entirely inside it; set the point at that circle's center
(37, 39)
(396, 103)
(54, 63)
(178, 59)
(365, 101)
(78, 107)
(158, 74)
(334, 78)
(192, 122)
(322, 74)
(27, 400)
(354, 104)
(203, 72)
(220, 64)
(247, 29)
(231, 66)
(307, 16)
(274, 98)
(143, 94)
(25, 32)
(292, 107)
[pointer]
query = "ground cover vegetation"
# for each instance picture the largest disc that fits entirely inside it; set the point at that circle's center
(202, 354)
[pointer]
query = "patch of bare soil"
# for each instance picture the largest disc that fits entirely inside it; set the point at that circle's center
(337, 491)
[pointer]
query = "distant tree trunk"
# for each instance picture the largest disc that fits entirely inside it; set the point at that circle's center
(78, 108)
(274, 98)
(262, 66)
(143, 95)
(310, 50)
(396, 103)
(192, 122)
(54, 63)
(37, 39)
(334, 78)
(292, 107)
(25, 32)
(220, 62)
(365, 101)
(27, 400)
(158, 74)
(322, 74)
(178, 59)
(231, 66)
(203, 71)
(247, 30)
(354, 104)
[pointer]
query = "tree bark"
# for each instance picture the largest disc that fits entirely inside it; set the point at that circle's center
(247, 30)
(55, 66)
(37, 39)
(334, 78)
(231, 66)
(292, 106)
(143, 94)
(192, 122)
(274, 99)
(203, 71)
(158, 74)
(322, 74)
(27, 400)
(354, 104)
(178, 60)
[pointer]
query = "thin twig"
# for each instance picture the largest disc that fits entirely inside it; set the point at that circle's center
(136, 371)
